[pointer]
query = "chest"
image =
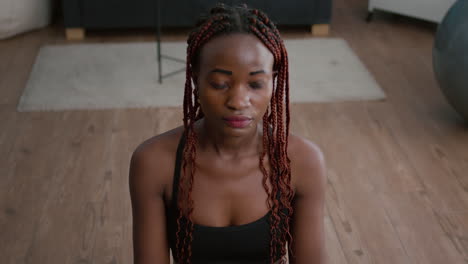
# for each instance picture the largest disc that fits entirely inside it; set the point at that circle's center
(227, 193)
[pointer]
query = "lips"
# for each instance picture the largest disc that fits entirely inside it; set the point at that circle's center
(237, 121)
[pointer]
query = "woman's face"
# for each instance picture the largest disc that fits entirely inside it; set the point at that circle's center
(235, 82)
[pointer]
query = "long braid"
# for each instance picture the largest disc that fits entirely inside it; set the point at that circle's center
(284, 176)
(225, 20)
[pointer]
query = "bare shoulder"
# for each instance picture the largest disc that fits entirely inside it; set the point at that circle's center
(152, 161)
(308, 168)
(307, 165)
(302, 146)
(150, 169)
(159, 143)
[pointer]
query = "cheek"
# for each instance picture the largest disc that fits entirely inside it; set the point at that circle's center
(262, 100)
(209, 101)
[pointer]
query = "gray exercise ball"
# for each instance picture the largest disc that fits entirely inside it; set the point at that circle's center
(450, 56)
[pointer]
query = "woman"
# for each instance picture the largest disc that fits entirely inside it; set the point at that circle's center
(231, 185)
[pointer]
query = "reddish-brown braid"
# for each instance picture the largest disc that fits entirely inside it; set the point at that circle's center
(223, 20)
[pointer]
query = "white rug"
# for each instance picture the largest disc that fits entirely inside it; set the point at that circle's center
(124, 75)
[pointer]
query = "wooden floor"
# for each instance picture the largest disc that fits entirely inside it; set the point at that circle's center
(397, 169)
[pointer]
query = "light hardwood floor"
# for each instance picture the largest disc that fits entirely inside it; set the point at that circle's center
(397, 169)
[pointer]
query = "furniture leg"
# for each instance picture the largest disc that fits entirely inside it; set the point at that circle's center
(320, 29)
(75, 33)
(369, 17)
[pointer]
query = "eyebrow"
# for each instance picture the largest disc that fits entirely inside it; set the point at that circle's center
(257, 72)
(230, 72)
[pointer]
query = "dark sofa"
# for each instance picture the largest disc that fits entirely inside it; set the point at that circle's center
(80, 15)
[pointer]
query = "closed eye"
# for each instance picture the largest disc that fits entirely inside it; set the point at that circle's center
(256, 85)
(218, 86)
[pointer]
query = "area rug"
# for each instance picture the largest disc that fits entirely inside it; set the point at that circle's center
(124, 75)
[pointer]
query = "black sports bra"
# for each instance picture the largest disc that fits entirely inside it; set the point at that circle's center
(247, 243)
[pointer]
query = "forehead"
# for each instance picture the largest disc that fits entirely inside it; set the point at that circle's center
(235, 50)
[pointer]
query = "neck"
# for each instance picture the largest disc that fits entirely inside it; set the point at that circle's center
(229, 146)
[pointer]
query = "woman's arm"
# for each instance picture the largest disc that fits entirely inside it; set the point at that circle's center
(149, 222)
(307, 224)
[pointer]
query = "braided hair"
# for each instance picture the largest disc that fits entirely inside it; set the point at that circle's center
(224, 20)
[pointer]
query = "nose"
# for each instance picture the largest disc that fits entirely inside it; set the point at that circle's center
(238, 98)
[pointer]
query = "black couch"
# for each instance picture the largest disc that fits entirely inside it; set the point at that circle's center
(93, 14)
